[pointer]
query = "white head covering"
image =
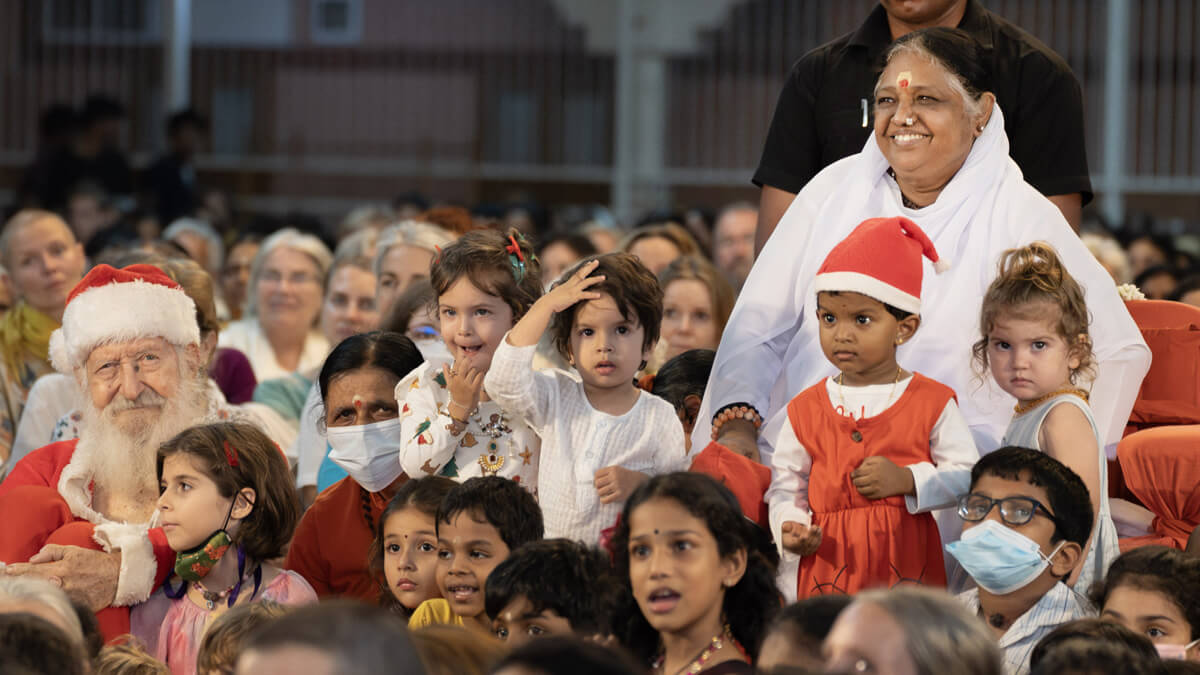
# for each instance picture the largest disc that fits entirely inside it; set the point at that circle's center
(986, 208)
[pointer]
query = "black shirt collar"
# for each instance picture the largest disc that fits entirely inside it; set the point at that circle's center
(874, 33)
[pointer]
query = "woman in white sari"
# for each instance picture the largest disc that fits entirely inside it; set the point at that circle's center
(938, 156)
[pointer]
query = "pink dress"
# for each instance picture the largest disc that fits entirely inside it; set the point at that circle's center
(185, 621)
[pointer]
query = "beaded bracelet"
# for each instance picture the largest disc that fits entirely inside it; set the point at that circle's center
(735, 411)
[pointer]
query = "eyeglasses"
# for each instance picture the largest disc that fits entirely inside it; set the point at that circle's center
(1013, 510)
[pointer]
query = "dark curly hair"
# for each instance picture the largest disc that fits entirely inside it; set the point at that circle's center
(500, 502)
(551, 574)
(749, 605)
(630, 284)
(423, 494)
(1167, 571)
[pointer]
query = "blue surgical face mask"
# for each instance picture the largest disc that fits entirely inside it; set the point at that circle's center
(999, 559)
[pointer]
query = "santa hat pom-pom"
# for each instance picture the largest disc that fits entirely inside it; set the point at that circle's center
(941, 265)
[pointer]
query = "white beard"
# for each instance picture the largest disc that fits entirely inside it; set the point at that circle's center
(123, 461)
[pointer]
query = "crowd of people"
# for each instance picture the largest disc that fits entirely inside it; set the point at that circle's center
(863, 426)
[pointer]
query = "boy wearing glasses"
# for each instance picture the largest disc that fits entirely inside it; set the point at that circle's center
(1025, 523)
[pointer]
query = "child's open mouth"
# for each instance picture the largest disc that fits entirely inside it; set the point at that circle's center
(663, 600)
(462, 593)
(471, 350)
(606, 368)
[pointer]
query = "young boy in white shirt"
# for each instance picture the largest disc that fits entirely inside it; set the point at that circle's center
(601, 435)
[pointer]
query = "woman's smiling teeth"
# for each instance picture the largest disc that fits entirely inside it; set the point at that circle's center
(905, 139)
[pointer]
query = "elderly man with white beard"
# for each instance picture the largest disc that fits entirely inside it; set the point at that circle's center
(82, 512)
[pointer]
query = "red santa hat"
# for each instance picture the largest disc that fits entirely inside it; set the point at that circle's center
(882, 260)
(116, 305)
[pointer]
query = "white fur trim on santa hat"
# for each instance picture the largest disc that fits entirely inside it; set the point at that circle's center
(119, 312)
(856, 282)
(138, 564)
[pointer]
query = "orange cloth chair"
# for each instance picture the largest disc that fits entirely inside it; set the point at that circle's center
(1162, 470)
(1170, 394)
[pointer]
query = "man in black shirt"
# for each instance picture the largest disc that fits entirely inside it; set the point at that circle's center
(825, 108)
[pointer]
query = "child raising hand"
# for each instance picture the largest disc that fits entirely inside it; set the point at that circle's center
(601, 435)
(865, 455)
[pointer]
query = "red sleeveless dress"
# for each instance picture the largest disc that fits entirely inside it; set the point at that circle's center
(867, 543)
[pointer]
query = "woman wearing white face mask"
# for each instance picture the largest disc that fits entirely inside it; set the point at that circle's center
(362, 424)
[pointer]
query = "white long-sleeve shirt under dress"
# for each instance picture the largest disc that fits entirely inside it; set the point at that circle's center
(938, 483)
(578, 440)
(495, 442)
(1025, 431)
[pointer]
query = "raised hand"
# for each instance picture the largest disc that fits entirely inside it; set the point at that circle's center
(801, 539)
(464, 384)
(573, 289)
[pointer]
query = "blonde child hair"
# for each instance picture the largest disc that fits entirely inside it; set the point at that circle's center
(1031, 283)
(128, 658)
(224, 639)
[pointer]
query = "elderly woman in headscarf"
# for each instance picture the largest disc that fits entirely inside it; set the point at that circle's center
(939, 157)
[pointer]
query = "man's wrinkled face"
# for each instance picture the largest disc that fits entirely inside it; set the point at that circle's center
(130, 382)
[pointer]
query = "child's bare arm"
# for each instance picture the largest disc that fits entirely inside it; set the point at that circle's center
(1067, 436)
(531, 326)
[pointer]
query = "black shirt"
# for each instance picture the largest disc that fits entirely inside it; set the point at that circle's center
(825, 109)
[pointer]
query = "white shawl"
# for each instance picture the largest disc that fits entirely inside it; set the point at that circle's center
(770, 350)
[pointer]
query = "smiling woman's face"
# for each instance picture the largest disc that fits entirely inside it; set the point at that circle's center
(928, 152)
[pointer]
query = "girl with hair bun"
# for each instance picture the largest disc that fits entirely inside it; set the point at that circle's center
(1035, 341)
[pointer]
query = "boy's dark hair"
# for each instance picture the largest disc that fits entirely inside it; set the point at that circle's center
(260, 465)
(553, 574)
(501, 503)
(483, 257)
(225, 637)
(100, 107)
(750, 604)
(1089, 655)
(631, 285)
(425, 494)
(1068, 495)
(683, 376)
(896, 312)
(1093, 629)
(810, 620)
(563, 654)
(357, 637)
(1168, 571)
(31, 644)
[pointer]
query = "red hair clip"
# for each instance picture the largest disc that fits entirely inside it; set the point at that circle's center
(230, 453)
(514, 248)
